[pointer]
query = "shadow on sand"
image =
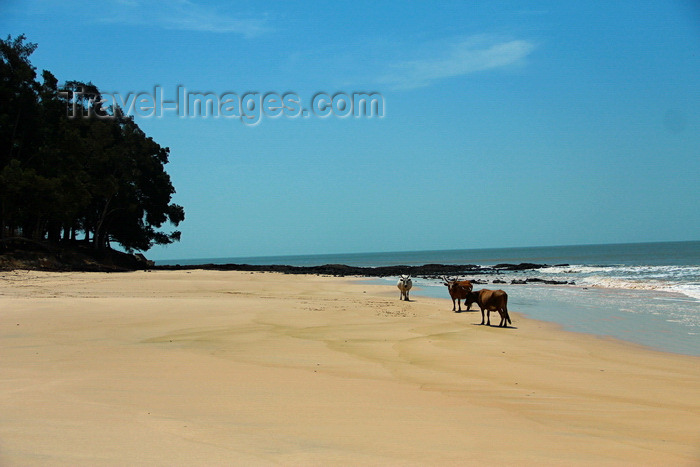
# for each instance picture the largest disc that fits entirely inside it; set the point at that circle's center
(510, 326)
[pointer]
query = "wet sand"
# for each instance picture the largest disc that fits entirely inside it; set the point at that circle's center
(231, 368)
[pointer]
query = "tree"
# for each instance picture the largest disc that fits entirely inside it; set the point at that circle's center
(60, 175)
(19, 97)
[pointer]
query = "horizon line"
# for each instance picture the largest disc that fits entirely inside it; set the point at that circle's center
(297, 255)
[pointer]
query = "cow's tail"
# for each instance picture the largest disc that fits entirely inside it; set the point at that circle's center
(505, 306)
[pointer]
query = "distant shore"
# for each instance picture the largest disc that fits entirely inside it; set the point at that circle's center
(205, 367)
(342, 270)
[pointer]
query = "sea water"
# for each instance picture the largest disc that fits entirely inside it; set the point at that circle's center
(668, 321)
(646, 293)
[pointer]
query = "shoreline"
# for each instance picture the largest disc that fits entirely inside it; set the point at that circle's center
(640, 317)
(207, 367)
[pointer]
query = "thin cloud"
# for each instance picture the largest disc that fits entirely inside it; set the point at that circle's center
(463, 57)
(183, 15)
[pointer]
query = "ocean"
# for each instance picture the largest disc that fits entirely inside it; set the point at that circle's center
(645, 293)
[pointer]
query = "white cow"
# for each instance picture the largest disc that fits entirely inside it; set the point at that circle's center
(405, 283)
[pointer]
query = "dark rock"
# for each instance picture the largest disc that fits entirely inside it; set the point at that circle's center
(427, 270)
(519, 267)
(545, 281)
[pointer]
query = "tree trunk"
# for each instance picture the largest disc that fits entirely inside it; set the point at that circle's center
(2, 220)
(100, 225)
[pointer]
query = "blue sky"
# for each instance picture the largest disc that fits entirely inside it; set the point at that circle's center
(505, 123)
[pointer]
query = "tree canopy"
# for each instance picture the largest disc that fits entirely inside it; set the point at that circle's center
(92, 173)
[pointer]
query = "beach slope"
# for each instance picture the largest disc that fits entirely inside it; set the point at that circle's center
(220, 368)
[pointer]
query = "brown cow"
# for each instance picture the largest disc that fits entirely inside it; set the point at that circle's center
(458, 291)
(491, 300)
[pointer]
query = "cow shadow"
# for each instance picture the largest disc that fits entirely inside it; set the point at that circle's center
(510, 326)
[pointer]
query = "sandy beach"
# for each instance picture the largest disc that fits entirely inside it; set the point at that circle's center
(233, 368)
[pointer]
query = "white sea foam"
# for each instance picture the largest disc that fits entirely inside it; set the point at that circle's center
(678, 272)
(691, 290)
(678, 279)
(573, 269)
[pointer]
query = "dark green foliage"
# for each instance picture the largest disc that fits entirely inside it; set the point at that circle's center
(100, 176)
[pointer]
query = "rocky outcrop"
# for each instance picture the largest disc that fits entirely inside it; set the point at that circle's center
(426, 270)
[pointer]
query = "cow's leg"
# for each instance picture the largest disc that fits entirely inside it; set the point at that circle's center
(453, 304)
(482, 316)
(459, 305)
(488, 316)
(407, 295)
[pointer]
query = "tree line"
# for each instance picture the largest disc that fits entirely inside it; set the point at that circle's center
(73, 178)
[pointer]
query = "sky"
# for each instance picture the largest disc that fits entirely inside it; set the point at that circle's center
(503, 123)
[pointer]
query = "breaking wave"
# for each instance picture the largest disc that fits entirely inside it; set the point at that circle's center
(678, 279)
